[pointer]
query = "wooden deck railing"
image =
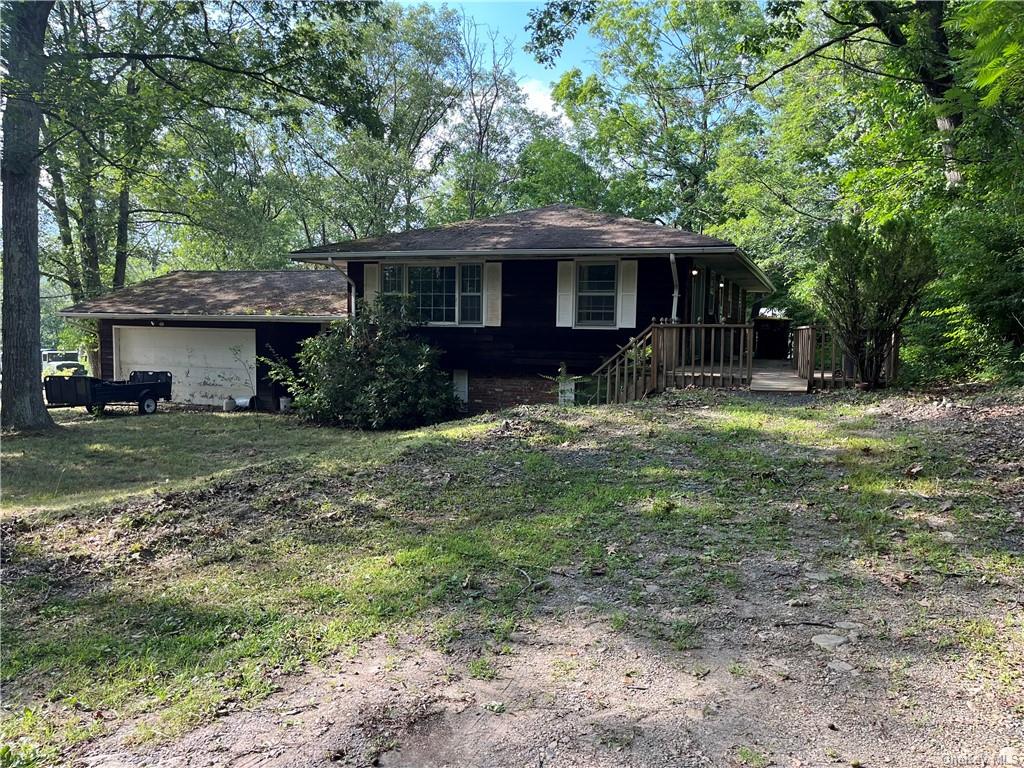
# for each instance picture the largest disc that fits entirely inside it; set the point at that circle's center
(670, 355)
(819, 358)
(626, 375)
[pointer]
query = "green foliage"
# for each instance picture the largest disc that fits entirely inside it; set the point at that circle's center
(552, 25)
(551, 172)
(943, 343)
(370, 372)
(867, 284)
(305, 123)
(995, 63)
(664, 96)
(856, 134)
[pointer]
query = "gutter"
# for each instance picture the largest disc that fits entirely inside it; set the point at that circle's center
(494, 255)
(204, 318)
(675, 288)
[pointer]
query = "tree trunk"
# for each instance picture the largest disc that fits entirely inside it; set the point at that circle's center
(934, 67)
(62, 213)
(121, 242)
(88, 228)
(21, 391)
(124, 194)
(937, 72)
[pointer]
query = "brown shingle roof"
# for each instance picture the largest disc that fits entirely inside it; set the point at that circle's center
(554, 227)
(283, 293)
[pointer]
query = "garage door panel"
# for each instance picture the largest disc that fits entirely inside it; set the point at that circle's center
(207, 364)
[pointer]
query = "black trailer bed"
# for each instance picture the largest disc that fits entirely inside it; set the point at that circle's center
(142, 387)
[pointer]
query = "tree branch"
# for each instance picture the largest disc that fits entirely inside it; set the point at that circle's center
(813, 52)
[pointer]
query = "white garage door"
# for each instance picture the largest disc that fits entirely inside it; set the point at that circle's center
(206, 364)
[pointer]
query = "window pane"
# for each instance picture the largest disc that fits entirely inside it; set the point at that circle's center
(595, 294)
(596, 277)
(470, 308)
(595, 309)
(470, 285)
(433, 291)
(470, 278)
(391, 280)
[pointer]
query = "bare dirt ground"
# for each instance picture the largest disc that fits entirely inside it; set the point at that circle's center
(825, 656)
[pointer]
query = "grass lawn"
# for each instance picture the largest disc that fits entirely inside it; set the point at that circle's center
(95, 460)
(163, 571)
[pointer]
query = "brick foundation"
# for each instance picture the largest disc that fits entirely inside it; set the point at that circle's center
(492, 393)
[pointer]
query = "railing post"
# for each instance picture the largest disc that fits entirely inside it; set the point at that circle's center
(810, 343)
(750, 353)
(822, 374)
(721, 356)
(732, 353)
(654, 358)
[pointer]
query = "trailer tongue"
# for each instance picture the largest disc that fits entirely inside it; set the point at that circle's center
(144, 388)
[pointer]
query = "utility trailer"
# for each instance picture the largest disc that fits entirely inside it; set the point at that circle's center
(143, 387)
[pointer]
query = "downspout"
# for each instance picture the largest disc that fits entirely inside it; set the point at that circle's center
(675, 288)
(351, 284)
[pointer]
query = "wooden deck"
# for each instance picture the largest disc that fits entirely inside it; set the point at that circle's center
(668, 355)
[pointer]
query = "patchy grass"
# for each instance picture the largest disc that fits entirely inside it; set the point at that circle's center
(90, 460)
(751, 757)
(167, 569)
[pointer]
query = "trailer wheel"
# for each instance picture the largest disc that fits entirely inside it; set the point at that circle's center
(147, 405)
(97, 409)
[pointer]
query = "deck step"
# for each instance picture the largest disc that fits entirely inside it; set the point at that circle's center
(777, 381)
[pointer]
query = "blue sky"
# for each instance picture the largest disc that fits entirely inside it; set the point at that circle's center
(510, 19)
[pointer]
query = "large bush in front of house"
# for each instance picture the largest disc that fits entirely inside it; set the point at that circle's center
(868, 282)
(369, 372)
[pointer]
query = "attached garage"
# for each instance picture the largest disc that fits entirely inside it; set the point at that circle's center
(207, 365)
(212, 330)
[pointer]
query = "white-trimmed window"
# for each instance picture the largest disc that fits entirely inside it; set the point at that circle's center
(471, 294)
(447, 294)
(596, 290)
(392, 278)
(433, 293)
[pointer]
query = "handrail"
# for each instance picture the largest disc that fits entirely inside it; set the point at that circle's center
(819, 357)
(629, 345)
(667, 355)
(703, 325)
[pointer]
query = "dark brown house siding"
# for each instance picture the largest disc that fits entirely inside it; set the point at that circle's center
(527, 342)
(272, 339)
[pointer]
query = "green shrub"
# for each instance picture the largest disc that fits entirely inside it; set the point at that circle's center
(943, 344)
(370, 372)
(868, 282)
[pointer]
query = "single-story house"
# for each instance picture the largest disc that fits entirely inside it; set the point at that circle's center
(510, 297)
(507, 299)
(209, 329)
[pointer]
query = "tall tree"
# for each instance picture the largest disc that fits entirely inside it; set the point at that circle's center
(380, 173)
(24, 30)
(549, 171)
(666, 92)
(226, 56)
(491, 104)
(917, 50)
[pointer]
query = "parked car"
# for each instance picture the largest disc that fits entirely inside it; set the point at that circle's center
(64, 368)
